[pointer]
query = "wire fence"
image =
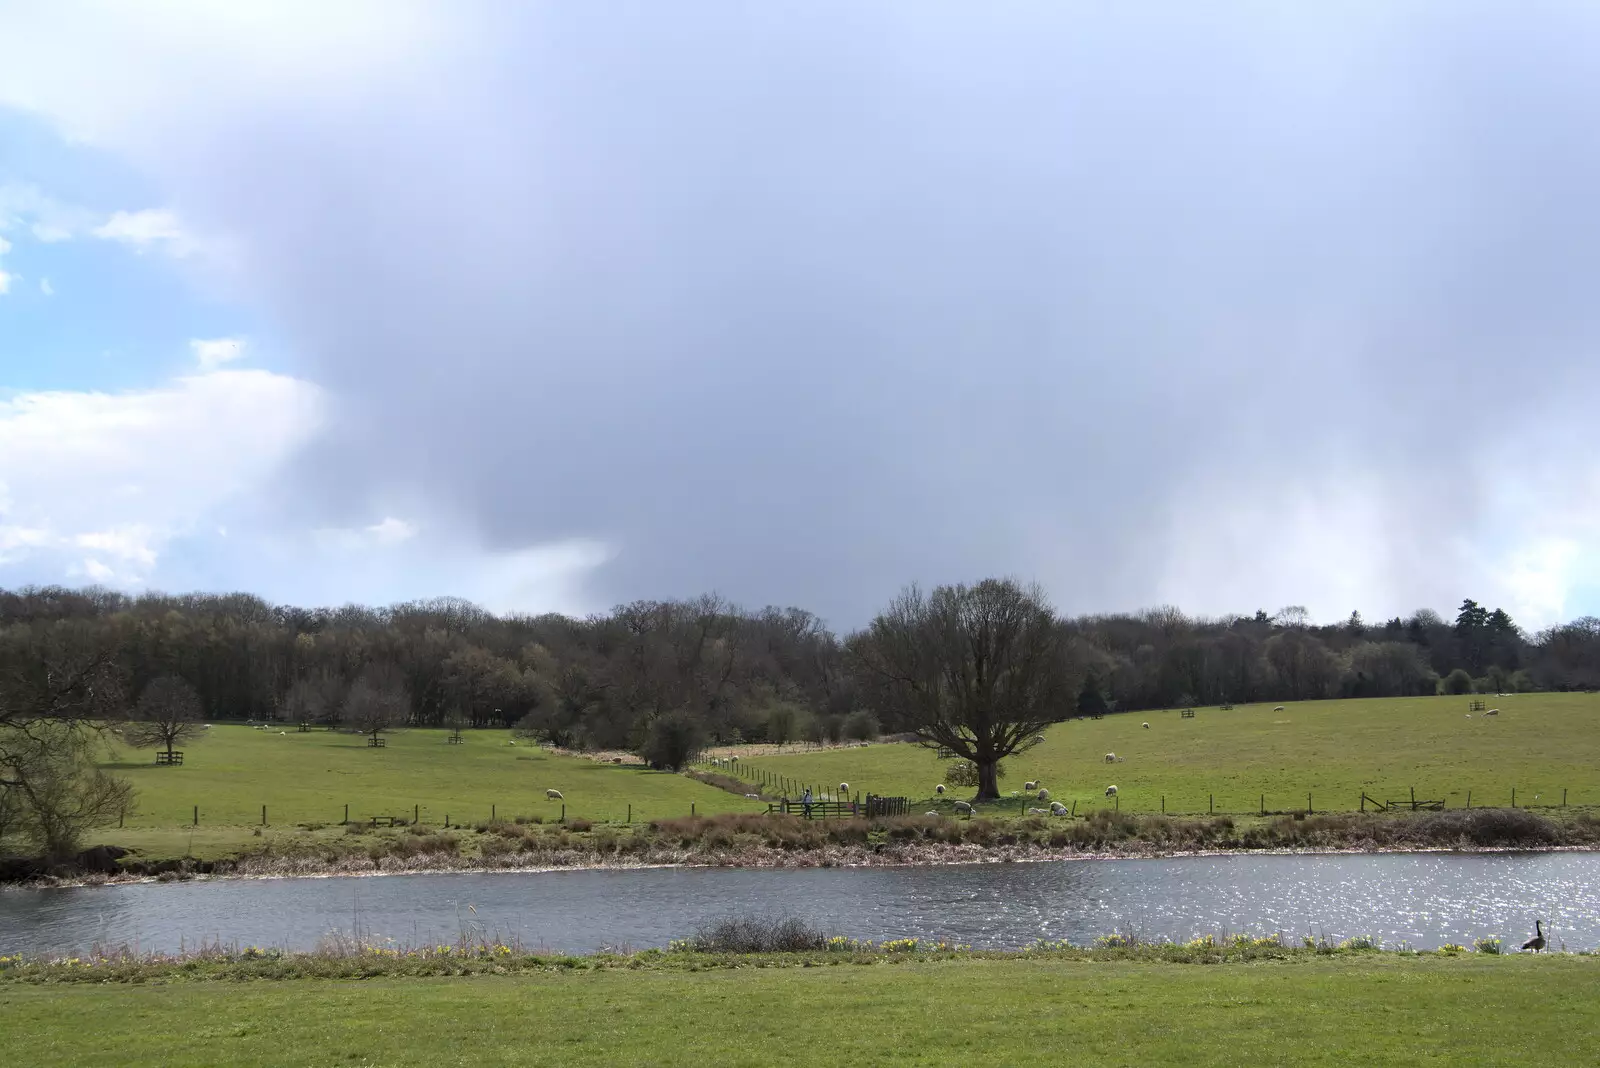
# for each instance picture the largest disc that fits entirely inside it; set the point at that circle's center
(1274, 803)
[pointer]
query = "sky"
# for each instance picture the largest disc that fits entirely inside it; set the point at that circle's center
(557, 306)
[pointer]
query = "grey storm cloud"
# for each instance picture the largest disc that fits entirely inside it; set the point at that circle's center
(802, 302)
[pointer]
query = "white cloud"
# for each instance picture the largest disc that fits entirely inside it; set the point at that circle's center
(97, 572)
(211, 355)
(120, 475)
(46, 288)
(48, 219)
(148, 228)
(5, 279)
(386, 533)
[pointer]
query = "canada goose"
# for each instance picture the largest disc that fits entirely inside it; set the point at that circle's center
(1536, 943)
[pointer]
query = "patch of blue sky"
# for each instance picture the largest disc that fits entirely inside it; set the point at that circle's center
(83, 313)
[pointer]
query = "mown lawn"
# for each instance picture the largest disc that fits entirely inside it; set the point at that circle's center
(1540, 744)
(1335, 1011)
(309, 778)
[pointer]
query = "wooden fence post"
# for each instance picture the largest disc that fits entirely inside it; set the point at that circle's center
(263, 815)
(691, 808)
(1308, 804)
(1163, 804)
(1211, 804)
(416, 814)
(1263, 804)
(1563, 797)
(347, 812)
(563, 812)
(630, 811)
(1513, 797)
(197, 815)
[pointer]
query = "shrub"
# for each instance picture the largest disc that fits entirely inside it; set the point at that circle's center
(1457, 682)
(965, 773)
(752, 934)
(671, 741)
(579, 824)
(1490, 946)
(861, 726)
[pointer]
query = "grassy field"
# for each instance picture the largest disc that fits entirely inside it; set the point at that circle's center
(1373, 1009)
(1539, 744)
(309, 778)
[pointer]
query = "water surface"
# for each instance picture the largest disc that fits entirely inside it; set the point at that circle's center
(1422, 899)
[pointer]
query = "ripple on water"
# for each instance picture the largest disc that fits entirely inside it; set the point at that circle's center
(1424, 899)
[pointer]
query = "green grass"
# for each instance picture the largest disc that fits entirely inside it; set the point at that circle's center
(1540, 744)
(1336, 1011)
(309, 778)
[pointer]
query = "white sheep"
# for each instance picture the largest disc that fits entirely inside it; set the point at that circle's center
(283, 732)
(511, 743)
(1038, 812)
(553, 795)
(1146, 726)
(1278, 708)
(1030, 785)
(930, 812)
(1044, 795)
(1492, 712)
(1057, 808)
(1111, 758)
(939, 789)
(1038, 739)
(844, 788)
(964, 808)
(753, 797)
(1111, 791)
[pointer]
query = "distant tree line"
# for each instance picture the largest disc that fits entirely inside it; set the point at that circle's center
(777, 674)
(975, 669)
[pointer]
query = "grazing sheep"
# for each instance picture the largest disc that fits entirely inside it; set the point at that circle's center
(1492, 712)
(511, 743)
(1279, 708)
(844, 788)
(930, 812)
(283, 732)
(1044, 795)
(1030, 785)
(939, 789)
(753, 797)
(1111, 791)
(1038, 738)
(553, 795)
(1111, 758)
(1146, 726)
(964, 808)
(1057, 808)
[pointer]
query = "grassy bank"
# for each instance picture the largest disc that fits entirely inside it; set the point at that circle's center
(1540, 745)
(748, 840)
(850, 1008)
(310, 778)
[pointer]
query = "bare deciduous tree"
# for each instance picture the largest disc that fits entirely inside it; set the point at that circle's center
(59, 686)
(378, 701)
(168, 713)
(976, 669)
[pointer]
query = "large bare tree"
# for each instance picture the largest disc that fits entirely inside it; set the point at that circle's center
(59, 687)
(378, 701)
(979, 669)
(167, 714)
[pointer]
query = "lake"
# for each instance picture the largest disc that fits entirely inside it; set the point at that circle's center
(1425, 899)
